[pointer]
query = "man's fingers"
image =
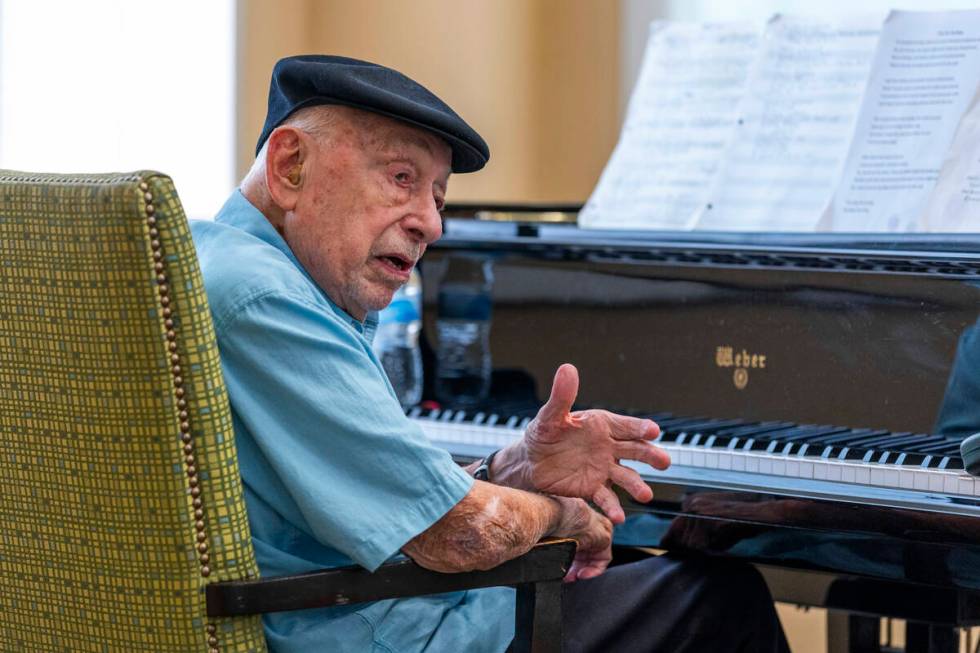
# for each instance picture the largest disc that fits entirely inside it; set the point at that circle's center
(643, 452)
(564, 389)
(630, 481)
(608, 503)
(633, 428)
(586, 567)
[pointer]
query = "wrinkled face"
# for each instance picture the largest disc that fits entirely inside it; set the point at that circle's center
(369, 206)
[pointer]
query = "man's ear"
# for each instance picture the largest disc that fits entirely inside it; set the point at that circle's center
(286, 153)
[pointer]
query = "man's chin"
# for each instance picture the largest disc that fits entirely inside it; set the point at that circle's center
(379, 299)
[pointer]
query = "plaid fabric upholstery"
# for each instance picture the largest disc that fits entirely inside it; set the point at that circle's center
(100, 547)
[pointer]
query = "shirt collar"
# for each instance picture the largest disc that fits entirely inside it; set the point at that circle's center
(238, 212)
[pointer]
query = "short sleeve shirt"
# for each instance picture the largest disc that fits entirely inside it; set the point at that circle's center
(333, 471)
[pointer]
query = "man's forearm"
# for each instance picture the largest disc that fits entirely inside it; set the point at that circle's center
(491, 525)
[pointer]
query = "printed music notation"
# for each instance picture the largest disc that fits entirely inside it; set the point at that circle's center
(851, 125)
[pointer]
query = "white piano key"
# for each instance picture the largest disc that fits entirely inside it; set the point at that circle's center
(834, 471)
(950, 484)
(684, 457)
(697, 458)
(965, 485)
(819, 471)
(862, 475)
(806, 469)
(778, 467)
(765, 465)
(724, 460)
(876, 476)
(738, 462)
(848, 473)
(889, 477)
(936, 483)
(711, 459)
(792, 468)
(906, 479)
(751, 463)
(920, 480)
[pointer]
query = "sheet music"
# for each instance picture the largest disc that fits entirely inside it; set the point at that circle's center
(955, 202)
(677, 125)
(925, 73)
(795, 122)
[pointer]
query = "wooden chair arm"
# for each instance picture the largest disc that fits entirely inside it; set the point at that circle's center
(549, 560)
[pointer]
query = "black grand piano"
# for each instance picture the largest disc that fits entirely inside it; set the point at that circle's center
(813, 392)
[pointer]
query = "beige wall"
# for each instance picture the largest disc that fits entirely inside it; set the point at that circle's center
(539, 79)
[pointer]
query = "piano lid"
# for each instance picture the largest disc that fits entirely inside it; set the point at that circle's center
(857, 330)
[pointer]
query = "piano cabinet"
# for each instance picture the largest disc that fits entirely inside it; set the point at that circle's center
(813, 391)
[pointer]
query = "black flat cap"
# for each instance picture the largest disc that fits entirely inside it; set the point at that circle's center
(309, 80)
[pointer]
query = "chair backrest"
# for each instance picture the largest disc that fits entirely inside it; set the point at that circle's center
(120, 496)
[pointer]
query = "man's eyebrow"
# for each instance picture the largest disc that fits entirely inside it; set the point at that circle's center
(396, 139)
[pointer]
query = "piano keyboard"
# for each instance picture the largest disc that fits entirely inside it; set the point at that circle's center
(862, 464)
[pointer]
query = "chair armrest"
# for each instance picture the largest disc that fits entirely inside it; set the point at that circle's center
(549, 560)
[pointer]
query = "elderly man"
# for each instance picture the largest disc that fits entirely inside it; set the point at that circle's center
(344, 196)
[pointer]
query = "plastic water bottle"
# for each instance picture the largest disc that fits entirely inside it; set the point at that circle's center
(396, 342)
(463, 332)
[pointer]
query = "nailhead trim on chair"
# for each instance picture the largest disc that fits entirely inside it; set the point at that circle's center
(163, 290)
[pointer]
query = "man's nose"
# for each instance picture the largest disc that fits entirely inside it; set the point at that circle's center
(425, 222)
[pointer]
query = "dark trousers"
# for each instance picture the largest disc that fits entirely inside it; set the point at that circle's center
(668, 604)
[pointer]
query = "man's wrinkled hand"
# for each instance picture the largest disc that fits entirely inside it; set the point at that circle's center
(592, 532)
(577, 454)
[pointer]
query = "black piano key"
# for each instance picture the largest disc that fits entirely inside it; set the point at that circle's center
(656, 417)
(808, 433)
(848, 437)
(879, 441)
(955, 462)
(693, 424)
(725, 442)
(925, 441)
(915, 459)
(854, 453)
(756, 445)
(670, 428)
(756, 430)
(944, 448)
(712, 425)
(897, 441)
(679, 420)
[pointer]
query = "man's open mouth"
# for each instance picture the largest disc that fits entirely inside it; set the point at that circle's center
(397, 262)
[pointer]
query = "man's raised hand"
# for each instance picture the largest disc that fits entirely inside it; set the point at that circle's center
(577, 454)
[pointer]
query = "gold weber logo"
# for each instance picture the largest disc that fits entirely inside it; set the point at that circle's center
(727, 356)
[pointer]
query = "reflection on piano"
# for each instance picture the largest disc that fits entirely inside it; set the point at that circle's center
(813, 392)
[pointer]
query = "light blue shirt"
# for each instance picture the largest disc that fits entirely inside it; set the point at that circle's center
(333, 471)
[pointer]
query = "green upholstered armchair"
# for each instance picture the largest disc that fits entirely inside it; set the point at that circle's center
(122, 523)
